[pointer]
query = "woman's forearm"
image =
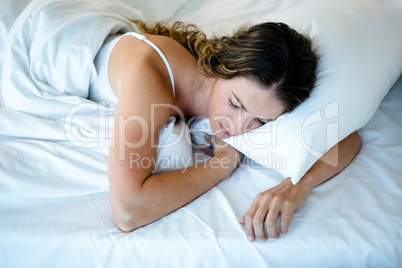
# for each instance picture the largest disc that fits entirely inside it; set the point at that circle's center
(166, 192)
(285, 198)
(332, 162)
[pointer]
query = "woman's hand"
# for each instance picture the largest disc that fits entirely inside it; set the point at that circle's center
(221, 150)
(283, 200)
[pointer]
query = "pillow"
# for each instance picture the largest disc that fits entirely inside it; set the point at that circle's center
(360, 48)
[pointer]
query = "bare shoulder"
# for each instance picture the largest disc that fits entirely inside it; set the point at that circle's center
(143, 84)
(135, 66)
(145, 102)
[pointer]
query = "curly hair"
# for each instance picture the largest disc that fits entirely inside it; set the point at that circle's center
(274, 54)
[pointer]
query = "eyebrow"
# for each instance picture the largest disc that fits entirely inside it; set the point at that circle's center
(241, 104)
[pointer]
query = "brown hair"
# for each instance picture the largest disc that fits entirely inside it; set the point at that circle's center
(273, 54)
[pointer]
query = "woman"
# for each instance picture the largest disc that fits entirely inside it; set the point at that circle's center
(239, 82)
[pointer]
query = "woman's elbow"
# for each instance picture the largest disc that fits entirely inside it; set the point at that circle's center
(124, 222)
(127, 218)
(128, 204)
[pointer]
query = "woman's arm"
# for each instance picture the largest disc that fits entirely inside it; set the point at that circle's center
(285, 198)
(137, 196)
(135, 204)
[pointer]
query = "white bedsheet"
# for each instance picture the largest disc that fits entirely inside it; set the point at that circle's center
(55, 209)
(353, 220)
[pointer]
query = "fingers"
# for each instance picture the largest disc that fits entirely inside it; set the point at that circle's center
(270, 223)
(258, 221)
(254, 219)
(247, 219)
(210, 138)
(215, 141)
(207, 149)
(242, 219)
(261, 218)
(283, 200)
(285, 220)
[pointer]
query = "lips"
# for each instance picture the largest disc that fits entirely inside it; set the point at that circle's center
(224, 130)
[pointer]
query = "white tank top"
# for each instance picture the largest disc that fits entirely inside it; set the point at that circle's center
(100, 90)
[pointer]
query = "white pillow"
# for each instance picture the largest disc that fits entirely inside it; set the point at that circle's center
(360, 48)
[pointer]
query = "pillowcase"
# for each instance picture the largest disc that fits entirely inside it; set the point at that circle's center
(360, 48)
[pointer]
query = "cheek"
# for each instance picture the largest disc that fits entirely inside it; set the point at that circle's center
(221, 112)
(218, 113)
(217, 106)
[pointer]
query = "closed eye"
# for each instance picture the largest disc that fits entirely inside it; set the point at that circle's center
(239, 102)
(261, 122)
(232, 105)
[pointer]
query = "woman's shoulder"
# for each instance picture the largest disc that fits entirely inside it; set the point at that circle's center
(136, 48)
(135, 61)
(134, 64)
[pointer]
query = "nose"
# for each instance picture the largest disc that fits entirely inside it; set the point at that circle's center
(240, 124)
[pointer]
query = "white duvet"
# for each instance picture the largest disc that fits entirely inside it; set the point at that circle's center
(48, 66)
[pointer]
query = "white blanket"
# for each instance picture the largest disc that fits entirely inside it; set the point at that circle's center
(47, 69)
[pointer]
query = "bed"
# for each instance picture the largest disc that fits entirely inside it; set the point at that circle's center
(54, 201)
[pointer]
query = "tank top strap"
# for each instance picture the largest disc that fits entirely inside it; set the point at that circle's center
(144, 38)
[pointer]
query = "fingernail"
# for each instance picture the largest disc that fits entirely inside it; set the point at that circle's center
(250, 238)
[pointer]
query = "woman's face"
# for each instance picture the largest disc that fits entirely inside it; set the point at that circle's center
(239, 105)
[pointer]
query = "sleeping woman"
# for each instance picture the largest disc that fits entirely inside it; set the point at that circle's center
(239, 83)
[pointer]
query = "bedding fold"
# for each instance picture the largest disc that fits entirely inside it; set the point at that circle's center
(48, 125)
